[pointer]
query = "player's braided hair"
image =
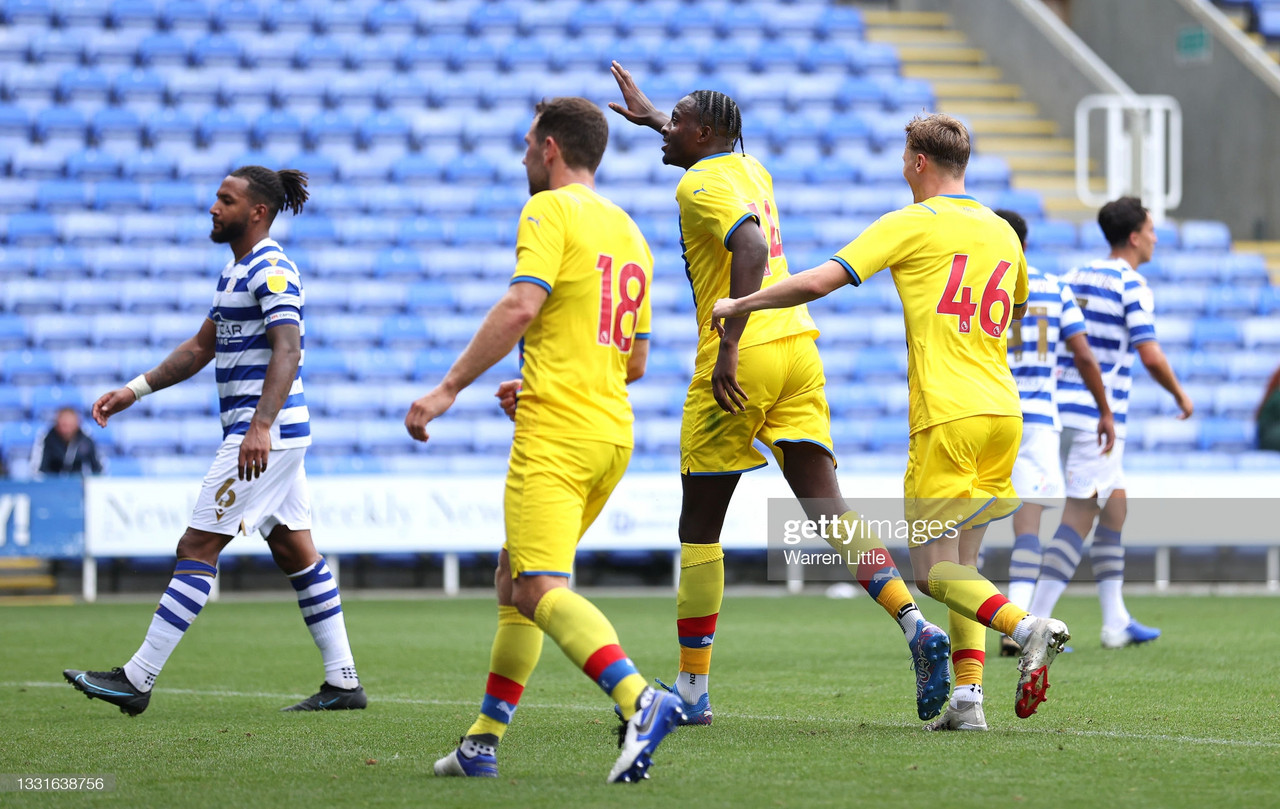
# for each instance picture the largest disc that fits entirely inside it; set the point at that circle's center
(282, 189)
(721, 113)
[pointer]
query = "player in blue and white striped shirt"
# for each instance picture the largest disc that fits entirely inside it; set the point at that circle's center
(257, 483)
(1119, 317)
(1053, 320)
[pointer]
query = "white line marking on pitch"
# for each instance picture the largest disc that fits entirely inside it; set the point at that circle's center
(1108, 734)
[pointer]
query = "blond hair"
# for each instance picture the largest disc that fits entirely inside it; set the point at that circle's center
(943, 139)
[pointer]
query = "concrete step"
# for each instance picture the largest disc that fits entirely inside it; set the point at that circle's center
(989, 109)
(1061, 183)
(951, 56)
(984, 125)
(27, 581)
(1043, 162)
(914, 19)
(1010, 145)
(21, 563)
(970, 73)
(918, 37)
(967, 90)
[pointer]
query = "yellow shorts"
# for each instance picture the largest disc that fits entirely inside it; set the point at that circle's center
(958, 472)
(786, 401)
(555, 490)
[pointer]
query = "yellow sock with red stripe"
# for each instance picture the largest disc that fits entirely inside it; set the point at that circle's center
(590, 641)
(517, 645)
(875, 570)
(964, 590)
(698, 600)
(968, 649)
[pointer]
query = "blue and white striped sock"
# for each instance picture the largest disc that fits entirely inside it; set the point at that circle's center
(1024, 569)
(1107, 557)
(321, 607)
(1061, 558)
(186, 595)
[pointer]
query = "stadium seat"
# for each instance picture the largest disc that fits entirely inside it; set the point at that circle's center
(31, 229)
(117, 129)
(1260, 333)
(1215, 333)
(61, 195)
(52, 47)
(340, 19)
(88, 86)
(93, 164)
(238, 16)
(29, 367)
(1197, 234)
(1243, 268)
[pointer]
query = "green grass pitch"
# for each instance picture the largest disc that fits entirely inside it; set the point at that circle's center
(814, 703)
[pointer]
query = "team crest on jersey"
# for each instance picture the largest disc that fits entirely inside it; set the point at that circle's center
(277, 279)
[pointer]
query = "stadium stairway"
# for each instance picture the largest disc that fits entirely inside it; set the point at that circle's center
(20, 575)
(1002, 121)
(1270, 252)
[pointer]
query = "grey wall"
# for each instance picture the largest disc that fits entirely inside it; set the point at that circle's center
(1230, 105)
(1052, 71)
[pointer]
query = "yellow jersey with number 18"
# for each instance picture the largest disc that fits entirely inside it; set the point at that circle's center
(960, 271)
(596, 267)
(718, 195)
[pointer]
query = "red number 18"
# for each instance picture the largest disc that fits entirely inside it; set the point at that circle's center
(610, 330)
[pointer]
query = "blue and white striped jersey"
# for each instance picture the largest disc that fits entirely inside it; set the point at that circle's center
(1052, 317)
(258, 293)
(1119, 315)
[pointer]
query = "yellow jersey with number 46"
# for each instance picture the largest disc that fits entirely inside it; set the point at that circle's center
(718, 195)
(596, 267)
(960, 271)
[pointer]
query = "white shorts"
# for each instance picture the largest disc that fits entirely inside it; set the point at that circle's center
(279, 496)
(1037, 472)
(1088, 471)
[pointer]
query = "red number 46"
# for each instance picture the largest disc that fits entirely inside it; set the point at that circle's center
(611, 330)
(957, 300)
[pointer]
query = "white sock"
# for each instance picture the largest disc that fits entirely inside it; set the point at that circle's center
(1020, 593)
(966, 693)
(1046, 596)
(1110, 597)
(909, 619)
(691, 687)
(321, 606)
(186, 595)
(1023, 630)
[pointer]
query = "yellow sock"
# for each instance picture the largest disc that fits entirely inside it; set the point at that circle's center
(964, 590)
(872, 565)
(517, 645)
(968, 649)
(588, 639)
(698, 600)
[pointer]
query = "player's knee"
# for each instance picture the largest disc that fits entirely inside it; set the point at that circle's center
(199, 546)
(923, 586)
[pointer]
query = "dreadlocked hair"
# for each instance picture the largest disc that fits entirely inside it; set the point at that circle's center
(282, 189)
(721, 113)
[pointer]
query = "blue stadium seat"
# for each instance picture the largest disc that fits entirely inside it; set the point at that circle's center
(29, 367)
(1260, 332)
(383, 129)
(163, 50)
(145, 296)
(84, 86)
(57, 332)
(1025, 201)
(13, 406)
(340, 19)
(875, 59)
(63, 262)
(31, 229)
(391, 201)
(290, 17)
(180, 197)
(117, 128)
(1234, 401)
(413, 232)
(190, 16)
(93, 164)
(149, 166)
(31, 84)
(1050, 234)
(238, 16)
(216, 51)
(313, 231)
(278, 130)
(1200, 234)
(63, 124)
(376, 364)
(320, 52)
(430, 297)
(18, 437)
(1218, 333)
(28, 12)
(405, 332)
(1193, 268)
(594, 18)
(1243, 268)
(1167, 435)
(13, 332)
(475, 230)
(28, 297)
(148, 437)
(223, 128)
(392, 18)
(331, 128)
(907, 95)
(62, 195)
(1231, 301)
(319, 168)
(171, 128)
(200, 436)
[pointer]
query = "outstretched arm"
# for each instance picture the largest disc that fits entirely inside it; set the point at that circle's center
(498, 334)
(800, 288)
(639, 109)
(1091, 373)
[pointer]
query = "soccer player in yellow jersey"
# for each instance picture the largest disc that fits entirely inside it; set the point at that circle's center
(962, 277)
(579, 299)
(762, 380)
